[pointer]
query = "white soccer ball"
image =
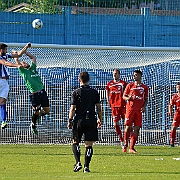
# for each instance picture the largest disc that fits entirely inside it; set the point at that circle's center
(37, 24)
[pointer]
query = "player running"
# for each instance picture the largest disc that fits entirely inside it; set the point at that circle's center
(136, 95)
(175, 101)
(38, 96)
(114, 96)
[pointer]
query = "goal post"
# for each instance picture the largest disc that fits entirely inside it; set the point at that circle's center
(59, 66)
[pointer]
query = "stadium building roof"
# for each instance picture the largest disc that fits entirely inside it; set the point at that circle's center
(20, 7)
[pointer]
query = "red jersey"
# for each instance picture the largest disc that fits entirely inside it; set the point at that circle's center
(139, 93)
(175, 101)
(116, 90)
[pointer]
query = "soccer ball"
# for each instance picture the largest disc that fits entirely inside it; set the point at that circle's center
(37, 24)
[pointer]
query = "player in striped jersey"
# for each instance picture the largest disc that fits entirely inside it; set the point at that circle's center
(175, 101)
(4, 75)
(114, 94)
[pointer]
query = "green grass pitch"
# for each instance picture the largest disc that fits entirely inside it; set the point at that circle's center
(43, 162)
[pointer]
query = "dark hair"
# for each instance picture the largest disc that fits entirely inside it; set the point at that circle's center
(117, 70)
(3, 46)
(178, 83)
(84, 76)
(138, 71)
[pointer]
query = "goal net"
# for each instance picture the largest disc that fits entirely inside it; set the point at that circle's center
(59, 67)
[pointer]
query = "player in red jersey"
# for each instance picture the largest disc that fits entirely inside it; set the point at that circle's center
(176, 120)
(114, 93)
(136, 95)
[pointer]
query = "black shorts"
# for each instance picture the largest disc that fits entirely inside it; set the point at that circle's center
(86, 127)
(39, 99)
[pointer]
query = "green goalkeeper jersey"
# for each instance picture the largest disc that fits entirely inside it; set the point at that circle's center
(31, 78)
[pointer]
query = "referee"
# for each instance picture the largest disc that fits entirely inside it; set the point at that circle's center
(83, 120)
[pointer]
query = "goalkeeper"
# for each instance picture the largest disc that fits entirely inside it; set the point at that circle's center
(38, 96)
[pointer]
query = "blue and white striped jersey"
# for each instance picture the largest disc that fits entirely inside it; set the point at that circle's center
(3, 69)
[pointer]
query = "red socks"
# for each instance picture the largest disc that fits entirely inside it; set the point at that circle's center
(172, 136)
(134, 138)
(126, 138)
(119, 132)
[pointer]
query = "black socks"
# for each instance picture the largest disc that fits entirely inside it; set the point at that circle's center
(77, 152)
(88, 155)
(34, 118)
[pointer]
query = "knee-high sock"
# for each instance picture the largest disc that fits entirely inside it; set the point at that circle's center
(126, 138)
(119, 132)
(34, 118)
(172, 136)
(3, 112)
(76, 151)
(134, 138)
(88, 155)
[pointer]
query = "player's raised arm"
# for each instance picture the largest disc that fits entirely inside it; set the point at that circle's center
(16, 59)
(31, 56)
(22, 51)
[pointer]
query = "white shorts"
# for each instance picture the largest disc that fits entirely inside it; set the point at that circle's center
(4, 88)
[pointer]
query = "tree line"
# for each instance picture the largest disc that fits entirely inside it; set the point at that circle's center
(50, 6)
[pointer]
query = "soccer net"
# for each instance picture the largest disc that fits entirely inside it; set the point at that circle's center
(59, 67)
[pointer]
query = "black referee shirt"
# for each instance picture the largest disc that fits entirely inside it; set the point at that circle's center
(85, 99)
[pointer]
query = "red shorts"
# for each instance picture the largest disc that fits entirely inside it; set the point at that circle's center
(118, 113)
(133, 117)
(176, 120)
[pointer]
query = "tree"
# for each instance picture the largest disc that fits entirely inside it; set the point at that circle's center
(44, 6)
(50, 6)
